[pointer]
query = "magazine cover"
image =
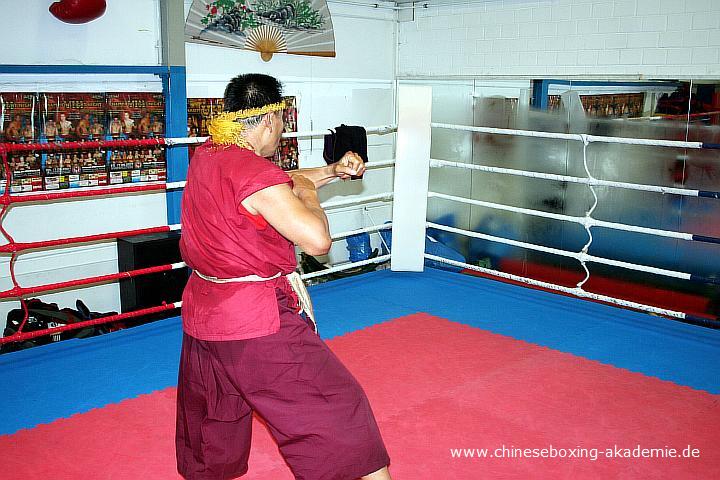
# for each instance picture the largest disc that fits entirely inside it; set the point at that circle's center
(71, 116)
(132, 165)
(135, 115)
(152, 164)
(19, 117)
(125, 166)
(200, 110)
(287, 154)
(93, 168)
(25, 174)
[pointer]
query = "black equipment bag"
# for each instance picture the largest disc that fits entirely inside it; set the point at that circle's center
(43, 315)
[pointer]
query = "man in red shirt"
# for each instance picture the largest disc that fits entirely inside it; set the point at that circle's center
(246, 348)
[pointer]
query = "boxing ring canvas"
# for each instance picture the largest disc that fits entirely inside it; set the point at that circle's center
(452, 365)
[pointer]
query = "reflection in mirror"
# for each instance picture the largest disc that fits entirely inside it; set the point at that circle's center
(667, 110)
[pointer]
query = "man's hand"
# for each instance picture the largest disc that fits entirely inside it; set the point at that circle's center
(348, 166)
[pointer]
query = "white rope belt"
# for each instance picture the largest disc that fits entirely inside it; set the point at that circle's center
(293, 278)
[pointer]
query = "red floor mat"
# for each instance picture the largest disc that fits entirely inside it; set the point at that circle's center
(436, 387)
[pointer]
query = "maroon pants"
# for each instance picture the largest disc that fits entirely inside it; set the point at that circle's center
(314, 408)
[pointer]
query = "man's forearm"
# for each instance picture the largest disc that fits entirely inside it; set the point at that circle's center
(318, 175)
(312, 203)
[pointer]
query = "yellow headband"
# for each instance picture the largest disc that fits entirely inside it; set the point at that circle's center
(224, 128)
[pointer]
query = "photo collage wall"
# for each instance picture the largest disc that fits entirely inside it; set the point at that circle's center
(82, 117)
(201, 110)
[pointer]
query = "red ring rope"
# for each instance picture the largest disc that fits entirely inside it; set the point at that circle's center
(18, 337)
(692, 115)
(44, 147)
(15, 247)
(21, 291)
(22, 147)
(95, 192)
(10, 239)
(20, 246)
(18, 291)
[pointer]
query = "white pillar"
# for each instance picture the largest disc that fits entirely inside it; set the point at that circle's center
(412, 170)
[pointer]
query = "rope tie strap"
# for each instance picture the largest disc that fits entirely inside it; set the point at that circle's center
(583, 257)
(294, 279)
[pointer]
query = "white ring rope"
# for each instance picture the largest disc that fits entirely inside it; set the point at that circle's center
(551, 286)
(580, 256)
(374, 228)
(366, 210)
(185, 140)
(369, 198)
(175, 185)
(567, 178)
(348, 266)
(380, 164)
(571, 136)
(585, 221)
(335, 236)
(369, 165)
(588, 221)
(381, 130)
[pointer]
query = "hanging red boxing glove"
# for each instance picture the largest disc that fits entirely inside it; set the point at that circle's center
(78, 11)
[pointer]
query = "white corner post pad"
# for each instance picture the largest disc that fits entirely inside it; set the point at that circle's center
(412, 170)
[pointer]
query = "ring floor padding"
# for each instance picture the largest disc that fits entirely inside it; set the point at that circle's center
(43, 384)
(440, 390)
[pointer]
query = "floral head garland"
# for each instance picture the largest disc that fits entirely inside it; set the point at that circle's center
(226, 130)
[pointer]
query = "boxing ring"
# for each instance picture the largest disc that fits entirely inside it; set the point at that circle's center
(452, 363)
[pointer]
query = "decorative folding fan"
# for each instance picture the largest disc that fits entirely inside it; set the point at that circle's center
(299, 27)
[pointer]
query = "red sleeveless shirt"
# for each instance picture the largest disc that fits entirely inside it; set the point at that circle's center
(223, 240)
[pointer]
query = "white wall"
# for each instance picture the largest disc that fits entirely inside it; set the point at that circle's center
(70, 219)
(356, 87)
(560, 38)
(526, 38)
(127, 34)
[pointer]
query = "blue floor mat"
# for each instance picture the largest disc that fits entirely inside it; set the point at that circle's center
(54, 381)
